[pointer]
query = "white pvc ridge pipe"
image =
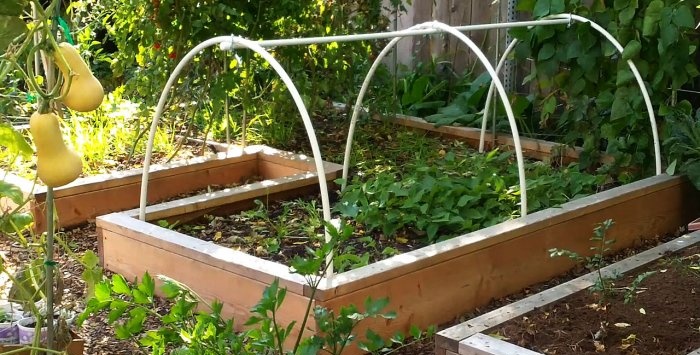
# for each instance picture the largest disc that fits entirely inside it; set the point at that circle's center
(632, 66)
(489, 95)
(320, 171)
(489, 68)
(400, 33)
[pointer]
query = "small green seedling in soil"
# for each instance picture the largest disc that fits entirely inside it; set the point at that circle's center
(631, 290)
(167, 225)
(595, 262)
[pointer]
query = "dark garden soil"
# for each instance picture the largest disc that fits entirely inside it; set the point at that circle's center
(663, 317)
(285, 229)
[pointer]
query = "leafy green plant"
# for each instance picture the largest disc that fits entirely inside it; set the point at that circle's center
(191, 326)
(683, 141)
(595, 262)
(147, 53)
(631, 290)
(424, 89)
(586, 93)
(456, 194)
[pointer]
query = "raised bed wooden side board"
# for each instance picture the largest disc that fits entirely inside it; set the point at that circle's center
(533, 148)
(87, 198)
(468, 338)
(432, 285)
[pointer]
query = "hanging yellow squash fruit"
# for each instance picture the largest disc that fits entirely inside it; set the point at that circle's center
(57, 165)
(85, 93)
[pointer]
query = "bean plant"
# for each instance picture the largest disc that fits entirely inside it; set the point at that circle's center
(457, 193)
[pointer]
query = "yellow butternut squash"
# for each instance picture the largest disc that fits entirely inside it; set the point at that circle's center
(85, 92)
(57, 165)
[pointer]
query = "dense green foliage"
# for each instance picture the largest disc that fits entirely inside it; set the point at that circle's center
(587, 92)
(151, 36)
(457, 194)
(683, 141)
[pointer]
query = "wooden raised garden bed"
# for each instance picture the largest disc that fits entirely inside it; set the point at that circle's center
(615, 334)
(431, 285)
(89, 197)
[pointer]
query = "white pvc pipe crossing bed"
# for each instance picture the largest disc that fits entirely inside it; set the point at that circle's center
(494, 80)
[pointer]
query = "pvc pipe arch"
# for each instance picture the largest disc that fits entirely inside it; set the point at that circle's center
(620, 49)
(228, 42)
(494, 79)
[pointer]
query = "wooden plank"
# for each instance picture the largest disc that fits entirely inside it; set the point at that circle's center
(270, 170)
(119, 226)
(439, 48)
(519, 308)
(695, 352)
(297, 161)
(74, 209)
(437, 289)
(423, 12)
(461, 13)
(238, 293)
(220, 198)
(481, 344)
(535, 148)
(675, 190)
(132, 176)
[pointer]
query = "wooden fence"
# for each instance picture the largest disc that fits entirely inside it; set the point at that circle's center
(446, 48)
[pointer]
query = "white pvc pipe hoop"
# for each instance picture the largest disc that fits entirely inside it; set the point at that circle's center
(228, 42)
(618, 46)
(495, 81)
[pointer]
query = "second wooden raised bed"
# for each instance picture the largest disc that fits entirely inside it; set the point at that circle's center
(89, 197)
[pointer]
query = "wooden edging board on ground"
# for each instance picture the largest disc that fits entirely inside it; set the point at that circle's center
(428, 286)
(468, 338)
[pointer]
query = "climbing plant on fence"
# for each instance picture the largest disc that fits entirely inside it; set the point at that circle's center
(586, 91)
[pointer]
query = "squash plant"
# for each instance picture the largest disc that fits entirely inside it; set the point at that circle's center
(30, 39)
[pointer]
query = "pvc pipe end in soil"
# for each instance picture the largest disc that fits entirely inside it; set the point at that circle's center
(694, 225)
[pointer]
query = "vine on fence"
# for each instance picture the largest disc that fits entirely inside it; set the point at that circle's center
(587, 92)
